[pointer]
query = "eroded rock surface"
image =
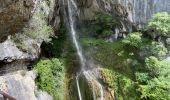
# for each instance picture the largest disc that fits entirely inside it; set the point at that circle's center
(21, 85)
(10, 52)
(138, 11)
(13, 15)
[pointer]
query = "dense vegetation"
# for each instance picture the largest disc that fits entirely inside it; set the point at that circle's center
(134, 67)
(50, 77)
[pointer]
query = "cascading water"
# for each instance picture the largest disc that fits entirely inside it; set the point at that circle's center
(90, 77)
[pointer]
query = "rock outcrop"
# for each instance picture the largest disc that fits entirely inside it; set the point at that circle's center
(21, 85)
(9, 51)
(13, 15)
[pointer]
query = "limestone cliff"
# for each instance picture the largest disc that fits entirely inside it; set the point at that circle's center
(13, 15)
(23, 27)
(137, 12)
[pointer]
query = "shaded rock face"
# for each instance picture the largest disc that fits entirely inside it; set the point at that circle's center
(13, 15)
(21, 85)
(14, 59)
(55, 16)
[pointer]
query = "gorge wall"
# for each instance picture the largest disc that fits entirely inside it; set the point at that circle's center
(137, 12)
(16, 15)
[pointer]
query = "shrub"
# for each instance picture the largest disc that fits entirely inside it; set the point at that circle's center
(142, 78)
(124, 88)
(158, 84)
(133, 39)
(103, 25)
(155, 49)
(38, 27)
(50, 76)
(161, 23)
(152, 64)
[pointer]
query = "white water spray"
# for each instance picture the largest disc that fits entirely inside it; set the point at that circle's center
(72, 9)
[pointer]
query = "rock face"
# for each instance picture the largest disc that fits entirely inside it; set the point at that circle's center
(137, 12)
(9, 51)
(13, 15)
(140, 11)
(21, 85)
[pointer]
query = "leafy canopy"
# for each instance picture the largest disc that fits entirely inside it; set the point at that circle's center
(103, 25)
(161, 23)
(133, 39)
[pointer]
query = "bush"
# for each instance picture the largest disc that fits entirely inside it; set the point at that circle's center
(152, 64)
(142, 78)
(124, 88)
(50, 77)
(157, 86)
(161, 23)
(103, 25)
(133, 39)
(39, 29)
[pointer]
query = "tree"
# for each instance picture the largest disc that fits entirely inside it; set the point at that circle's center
(133, 39)
(161, 23)
(153, 65)
(104, 24)
(157, 87)
(153, 48)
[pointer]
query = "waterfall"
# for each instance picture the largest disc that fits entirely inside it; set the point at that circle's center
(72, 11)
(72, 8)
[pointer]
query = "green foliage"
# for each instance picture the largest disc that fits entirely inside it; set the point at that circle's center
(154, 90)
(55, 48)
(161, 23)
(152, 64)
(152, 78)
(103, 25)
(155, 49)
(127, 88)
(133, 63)
(123, 87)
(157, 86)
(110, 78)
(142, 78)
(38, 27)
(133, 39)
(50, 77)
(134, 42)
